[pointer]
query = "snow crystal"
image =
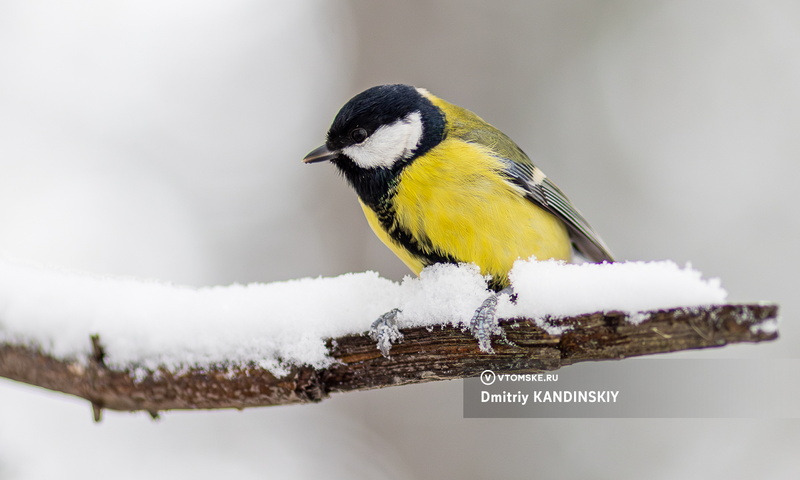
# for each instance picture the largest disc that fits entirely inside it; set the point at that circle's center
(767, 327)
(147, 324)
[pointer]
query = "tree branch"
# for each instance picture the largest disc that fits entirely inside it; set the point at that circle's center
(425, 355)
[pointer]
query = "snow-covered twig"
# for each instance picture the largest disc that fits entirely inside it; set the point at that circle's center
(426, 354)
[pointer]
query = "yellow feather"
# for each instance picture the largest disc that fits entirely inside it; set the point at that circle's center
(411, 261)
(454, 197)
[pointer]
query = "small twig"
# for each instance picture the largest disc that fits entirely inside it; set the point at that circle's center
(98, 352)
(97, 412)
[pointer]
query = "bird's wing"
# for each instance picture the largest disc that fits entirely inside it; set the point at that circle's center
(546, 194)
(521, 172)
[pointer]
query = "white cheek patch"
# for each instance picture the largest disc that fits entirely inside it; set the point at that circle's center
(388, 144)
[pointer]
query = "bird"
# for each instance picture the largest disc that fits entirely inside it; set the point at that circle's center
(438, 184)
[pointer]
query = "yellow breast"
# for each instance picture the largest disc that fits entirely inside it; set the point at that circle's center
(453, 199)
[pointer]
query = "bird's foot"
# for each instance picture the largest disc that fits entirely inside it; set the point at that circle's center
(384, 331)
(484, 323)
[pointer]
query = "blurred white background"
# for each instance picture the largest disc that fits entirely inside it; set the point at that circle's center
(163, 140)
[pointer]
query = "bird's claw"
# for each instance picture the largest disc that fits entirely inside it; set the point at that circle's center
(384, 331)
(484, 324)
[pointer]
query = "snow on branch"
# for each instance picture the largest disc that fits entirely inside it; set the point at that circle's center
(426, 354)
(129, 344)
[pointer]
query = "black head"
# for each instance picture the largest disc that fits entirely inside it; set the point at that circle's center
(377, 133)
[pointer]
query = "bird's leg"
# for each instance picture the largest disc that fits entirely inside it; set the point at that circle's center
(384, 331)
(483, 325)
(484, 322)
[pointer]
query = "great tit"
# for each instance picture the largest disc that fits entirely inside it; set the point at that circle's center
(439, 184)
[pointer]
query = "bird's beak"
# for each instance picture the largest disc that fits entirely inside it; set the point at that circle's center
(320, 154)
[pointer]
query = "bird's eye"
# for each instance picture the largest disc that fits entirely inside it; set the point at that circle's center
(358, 135)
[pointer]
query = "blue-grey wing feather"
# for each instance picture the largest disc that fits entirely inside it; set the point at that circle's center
(544, 193)
(520, 171)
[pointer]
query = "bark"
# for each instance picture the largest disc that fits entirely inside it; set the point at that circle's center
(425, 355)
